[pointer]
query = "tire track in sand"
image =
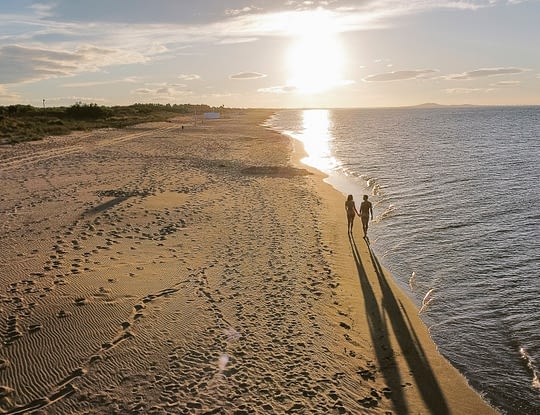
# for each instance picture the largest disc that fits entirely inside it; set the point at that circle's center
(64, 150)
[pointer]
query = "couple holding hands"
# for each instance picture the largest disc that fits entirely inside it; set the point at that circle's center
(365, 210)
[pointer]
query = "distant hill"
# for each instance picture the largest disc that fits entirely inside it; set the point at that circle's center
(435, 105)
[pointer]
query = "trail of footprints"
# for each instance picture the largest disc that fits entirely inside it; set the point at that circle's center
(68, 258)
(227, 372)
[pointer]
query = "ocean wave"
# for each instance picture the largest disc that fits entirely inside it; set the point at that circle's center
(390, 210)
(531, 366)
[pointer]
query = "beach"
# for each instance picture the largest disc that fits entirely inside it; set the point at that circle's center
(200, 268)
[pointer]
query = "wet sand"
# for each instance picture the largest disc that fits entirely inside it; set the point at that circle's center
(203, 270)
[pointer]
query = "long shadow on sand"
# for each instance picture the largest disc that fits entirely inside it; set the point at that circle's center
(390, 310)
(107, 205)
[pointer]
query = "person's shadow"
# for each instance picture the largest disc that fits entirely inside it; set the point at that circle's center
(389, 316)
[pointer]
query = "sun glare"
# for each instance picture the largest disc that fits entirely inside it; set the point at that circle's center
(315, 59)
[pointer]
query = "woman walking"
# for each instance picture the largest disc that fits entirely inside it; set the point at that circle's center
(350, 207)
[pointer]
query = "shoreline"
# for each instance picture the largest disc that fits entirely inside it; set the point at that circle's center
(162, 270)
(409, 332)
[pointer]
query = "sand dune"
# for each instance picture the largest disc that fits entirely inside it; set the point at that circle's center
(161, 270)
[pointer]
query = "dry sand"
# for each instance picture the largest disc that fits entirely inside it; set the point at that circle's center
(157, 270)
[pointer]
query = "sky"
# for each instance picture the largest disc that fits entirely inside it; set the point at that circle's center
(270, 53)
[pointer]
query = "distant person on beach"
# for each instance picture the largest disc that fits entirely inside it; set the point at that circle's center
(365, 210)
(350, 207)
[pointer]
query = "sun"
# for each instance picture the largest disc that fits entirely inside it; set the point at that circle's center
(315, 59)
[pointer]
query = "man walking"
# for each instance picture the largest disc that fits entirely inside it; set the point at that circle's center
(365, 210)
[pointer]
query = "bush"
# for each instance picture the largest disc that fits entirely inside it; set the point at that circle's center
(24, 123)
(87, 112)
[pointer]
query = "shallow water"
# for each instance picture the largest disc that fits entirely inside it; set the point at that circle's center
(456, 196)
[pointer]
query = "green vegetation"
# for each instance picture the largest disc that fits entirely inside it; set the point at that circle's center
(20, 123)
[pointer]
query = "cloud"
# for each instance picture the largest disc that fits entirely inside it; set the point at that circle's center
(8, 96)
(189, 77)
(507, 83)
(28, 63)
(162, 92)
(42, 10)
(237, 40)
(400, 75)
(485, 72)
(236, 12)
(465, 91)
(288, 89)
(88, 84)
(285, 89)
(247, 75)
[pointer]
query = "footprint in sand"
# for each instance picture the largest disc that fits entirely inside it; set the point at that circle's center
(80, 301)
(63, 314)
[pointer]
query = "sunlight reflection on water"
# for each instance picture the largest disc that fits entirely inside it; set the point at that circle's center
(316, 138)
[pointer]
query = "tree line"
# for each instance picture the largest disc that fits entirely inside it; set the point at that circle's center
(26, 122)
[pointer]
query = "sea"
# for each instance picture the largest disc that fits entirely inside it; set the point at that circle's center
(456, 198)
